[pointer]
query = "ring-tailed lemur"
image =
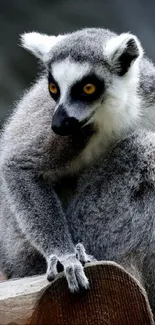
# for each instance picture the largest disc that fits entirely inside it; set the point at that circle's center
(113, 211)
(96, 86)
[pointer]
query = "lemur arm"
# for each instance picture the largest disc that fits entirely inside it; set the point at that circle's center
(41, 218)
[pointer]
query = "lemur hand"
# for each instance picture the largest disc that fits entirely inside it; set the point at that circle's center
(82, 256)
(73, 271)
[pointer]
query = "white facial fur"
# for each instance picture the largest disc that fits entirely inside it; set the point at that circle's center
(66, 74)
(121, 105)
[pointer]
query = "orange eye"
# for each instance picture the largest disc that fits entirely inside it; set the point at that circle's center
(89, 89)
(53, 88)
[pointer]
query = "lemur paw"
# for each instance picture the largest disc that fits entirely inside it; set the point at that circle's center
(82, 256)
(73, 271)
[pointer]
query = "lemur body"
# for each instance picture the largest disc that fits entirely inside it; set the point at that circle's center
(113, 210)
(101, 87)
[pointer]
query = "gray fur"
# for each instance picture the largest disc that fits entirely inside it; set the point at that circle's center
(84, 45)
(113, 211)
(33, 161)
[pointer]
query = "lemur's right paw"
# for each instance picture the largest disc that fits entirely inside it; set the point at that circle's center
(73, 271)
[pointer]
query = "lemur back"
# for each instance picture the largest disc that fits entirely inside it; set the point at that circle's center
(113, 211)
(96, 86)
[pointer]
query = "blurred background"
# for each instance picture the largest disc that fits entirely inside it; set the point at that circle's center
(18, 68)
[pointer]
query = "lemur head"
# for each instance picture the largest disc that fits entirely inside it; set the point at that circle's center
(92, 76)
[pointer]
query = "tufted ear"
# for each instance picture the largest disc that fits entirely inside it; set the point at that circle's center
(39, 44)
(121, 51)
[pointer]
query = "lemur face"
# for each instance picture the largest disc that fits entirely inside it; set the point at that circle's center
(78, 90)
(92, 77)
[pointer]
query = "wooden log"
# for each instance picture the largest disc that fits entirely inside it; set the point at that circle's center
(18, 298)
(113, 294)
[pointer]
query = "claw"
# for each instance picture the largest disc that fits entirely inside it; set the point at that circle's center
(81, 277)
(71, 279)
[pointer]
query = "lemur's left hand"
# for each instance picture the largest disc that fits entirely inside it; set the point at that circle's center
(72, 265)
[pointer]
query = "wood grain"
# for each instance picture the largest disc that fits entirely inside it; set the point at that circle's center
(18, 298)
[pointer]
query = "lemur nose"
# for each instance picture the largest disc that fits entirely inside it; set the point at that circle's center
(62, 124)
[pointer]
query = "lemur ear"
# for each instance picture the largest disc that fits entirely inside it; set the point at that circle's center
(39, 44)
(121, 51)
